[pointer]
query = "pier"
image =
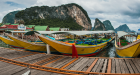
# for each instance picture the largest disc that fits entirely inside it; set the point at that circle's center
(16, 62)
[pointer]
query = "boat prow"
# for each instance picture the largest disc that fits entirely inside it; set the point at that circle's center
(31, 46)
(11, 42)
(128, 51)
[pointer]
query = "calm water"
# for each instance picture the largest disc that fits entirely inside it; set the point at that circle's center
(110, 51)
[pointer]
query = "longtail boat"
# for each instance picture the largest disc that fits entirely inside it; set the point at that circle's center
(124, 49)
(11, 42)
(31, 46)
(66, 49)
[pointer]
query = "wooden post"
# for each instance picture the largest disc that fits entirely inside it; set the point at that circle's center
(48, 49)
(22, 35)
(17, 34)
(119, 42)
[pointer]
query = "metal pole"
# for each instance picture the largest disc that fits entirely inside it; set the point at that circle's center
(48, 49)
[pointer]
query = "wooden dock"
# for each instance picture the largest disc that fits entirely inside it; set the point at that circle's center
(18, 61)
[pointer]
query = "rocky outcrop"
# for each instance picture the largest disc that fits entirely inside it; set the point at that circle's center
(123, 27)
(9, 18)
(108, 25)
(98, 25)
(63, 12)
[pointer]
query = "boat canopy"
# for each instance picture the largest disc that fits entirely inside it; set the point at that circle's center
(74, 32)
(121, 33)
(68, 32)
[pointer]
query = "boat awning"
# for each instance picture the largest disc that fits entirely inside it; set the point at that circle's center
(67, 32)
(121, 33)
(74, 32)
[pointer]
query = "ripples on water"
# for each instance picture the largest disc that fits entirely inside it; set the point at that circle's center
(110, 51)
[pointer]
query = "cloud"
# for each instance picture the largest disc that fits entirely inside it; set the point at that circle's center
(119, 12)
(2, 14)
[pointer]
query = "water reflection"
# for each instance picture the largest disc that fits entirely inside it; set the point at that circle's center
(110, 51)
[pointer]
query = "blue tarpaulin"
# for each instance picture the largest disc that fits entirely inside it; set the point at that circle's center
(138, 29)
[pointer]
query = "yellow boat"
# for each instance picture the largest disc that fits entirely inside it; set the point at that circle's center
(128, 51)
(66, 49)
(11, 42)
(31, 46)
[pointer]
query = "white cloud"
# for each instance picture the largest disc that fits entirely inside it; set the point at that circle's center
(2, 14)
(117, 11)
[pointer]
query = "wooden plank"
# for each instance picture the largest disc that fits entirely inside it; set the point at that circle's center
(125, 67)
(22, 56)
(3, 64)
(72, 64)
(58, 62)
(29, 58)
(80, 63)
(117, 66)
(20, 72)
(109, 66)
(100, 65)
(136, 64)
(69, 63)
(64, 63)
(43, 60)
(38, 59)
(96, 66)
(86, 65)
(6, 67)
(133, 66)
(52, 61)
(129, 66)
(92, 65)
(121, 66)
(113, 66)
(12, 70)
(104, 66)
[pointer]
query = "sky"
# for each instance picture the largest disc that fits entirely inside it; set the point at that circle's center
(118, 12)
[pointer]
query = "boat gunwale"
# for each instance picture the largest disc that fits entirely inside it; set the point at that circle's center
(127, 46)
(71, 45)
(23, 40)
(6, 38)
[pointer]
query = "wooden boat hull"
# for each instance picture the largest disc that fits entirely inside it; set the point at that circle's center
(66, 49)
(11, 43)
(32, 46)
(128, 51)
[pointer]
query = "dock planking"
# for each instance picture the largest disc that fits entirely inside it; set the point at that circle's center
(65, 63)
(18, 70)
(86, 65)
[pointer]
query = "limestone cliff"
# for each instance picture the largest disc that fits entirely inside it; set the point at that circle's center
(9, 18)
(123, 27)
(63, 12)
(108, 25)
(98, 25)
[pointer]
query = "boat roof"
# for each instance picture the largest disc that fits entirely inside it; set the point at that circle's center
(67, 32)
(74, 32)
(122, 33)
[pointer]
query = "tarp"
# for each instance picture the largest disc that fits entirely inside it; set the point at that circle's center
(121, 33)
(68, 32)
